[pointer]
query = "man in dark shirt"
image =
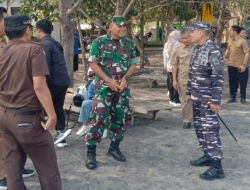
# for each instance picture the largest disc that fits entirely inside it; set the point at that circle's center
(58, 81)
(23, 95)
(243, 34)
(238, 53)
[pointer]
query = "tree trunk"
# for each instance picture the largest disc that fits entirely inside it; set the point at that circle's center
(245, 13)
(137, 44)
(222, 21)
(84, 60)
(198, 15)
(142, 37)
(170, 16)
(99, 32)
(126, 11)
(120, 7)
(67, 35)
(92, 31)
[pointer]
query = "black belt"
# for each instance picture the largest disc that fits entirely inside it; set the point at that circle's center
(19, 111)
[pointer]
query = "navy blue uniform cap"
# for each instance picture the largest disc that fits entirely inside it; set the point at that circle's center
(201, 25)
(17, 22)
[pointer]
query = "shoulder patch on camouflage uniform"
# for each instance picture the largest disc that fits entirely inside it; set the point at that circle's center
(216, 60)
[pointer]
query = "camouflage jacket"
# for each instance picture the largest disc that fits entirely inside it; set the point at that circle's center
(205, 81)
(113, 56)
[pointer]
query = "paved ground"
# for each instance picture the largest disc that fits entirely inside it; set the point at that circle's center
(158, 152)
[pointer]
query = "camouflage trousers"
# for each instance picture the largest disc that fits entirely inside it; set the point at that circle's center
(110, 110)
(207, 129)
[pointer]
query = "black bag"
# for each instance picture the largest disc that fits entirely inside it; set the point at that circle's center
(80, 95)
(78, 99)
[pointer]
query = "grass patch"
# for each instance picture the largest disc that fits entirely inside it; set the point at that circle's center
(159, 43)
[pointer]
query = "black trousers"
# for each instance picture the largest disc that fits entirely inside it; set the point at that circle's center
(75, 68)
(173, 94)
(236, 79)
(58, 96)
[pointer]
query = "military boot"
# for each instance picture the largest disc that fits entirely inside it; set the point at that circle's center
(91, 158)
(215, 171)
(205, 160)
(115, 152)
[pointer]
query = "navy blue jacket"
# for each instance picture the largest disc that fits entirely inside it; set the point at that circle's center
(56, 62)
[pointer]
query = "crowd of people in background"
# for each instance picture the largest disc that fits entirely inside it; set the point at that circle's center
(236, 56)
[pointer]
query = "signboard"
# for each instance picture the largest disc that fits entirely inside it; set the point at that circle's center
(207, 12)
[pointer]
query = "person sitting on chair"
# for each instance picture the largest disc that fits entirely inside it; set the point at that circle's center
(87, 106)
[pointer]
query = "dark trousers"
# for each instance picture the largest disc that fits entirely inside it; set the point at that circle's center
(31, 140)
(58, 96)
(75, 68)
(173, 94)
(236, 79)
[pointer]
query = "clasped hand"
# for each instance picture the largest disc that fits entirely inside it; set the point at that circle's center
(115, 86)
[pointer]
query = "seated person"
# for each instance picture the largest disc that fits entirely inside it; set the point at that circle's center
(87, 107)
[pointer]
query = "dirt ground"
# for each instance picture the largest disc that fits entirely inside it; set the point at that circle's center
(158, 152)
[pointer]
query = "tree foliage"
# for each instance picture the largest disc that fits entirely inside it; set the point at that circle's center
(99, 10)
(39, 9)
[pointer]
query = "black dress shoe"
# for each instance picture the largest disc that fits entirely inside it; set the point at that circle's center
(232, 100)
(203, 161)
(115, 152)
(215, 171)
(243, 101)
(91, 158)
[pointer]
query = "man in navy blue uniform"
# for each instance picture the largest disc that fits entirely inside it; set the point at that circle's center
(205, 89)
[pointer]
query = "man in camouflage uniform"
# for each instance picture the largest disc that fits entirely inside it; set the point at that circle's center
(113, 59)
(205, 89)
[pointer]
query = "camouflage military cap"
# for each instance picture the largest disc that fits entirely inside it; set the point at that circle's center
(119, 20)
(16, 23)
(201, 25)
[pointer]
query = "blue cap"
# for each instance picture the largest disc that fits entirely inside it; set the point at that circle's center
(15, 23)
(201, 25)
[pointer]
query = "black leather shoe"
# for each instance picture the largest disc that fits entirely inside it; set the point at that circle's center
(115, 152)
(203, 161)
(91, 158)
(243, 101)
(232, 100)
(215, 171)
